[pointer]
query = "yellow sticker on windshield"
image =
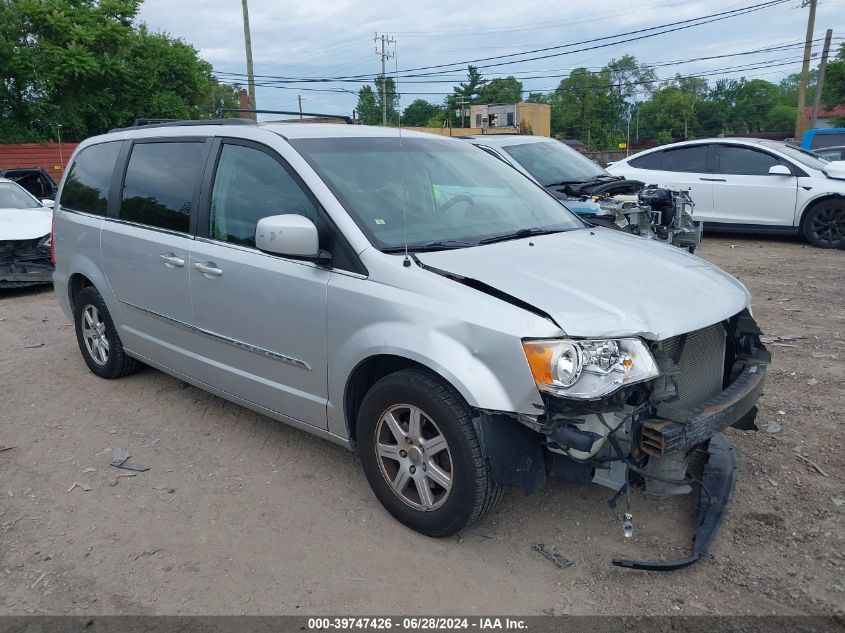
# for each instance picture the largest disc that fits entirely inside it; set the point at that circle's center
(379, 221)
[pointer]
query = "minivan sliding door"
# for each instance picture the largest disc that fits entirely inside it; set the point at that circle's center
(145, 248)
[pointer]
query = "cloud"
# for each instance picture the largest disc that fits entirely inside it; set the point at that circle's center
(334, 37)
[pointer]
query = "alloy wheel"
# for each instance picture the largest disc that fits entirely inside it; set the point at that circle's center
(414, 457)
(94, 335)
(829, 225)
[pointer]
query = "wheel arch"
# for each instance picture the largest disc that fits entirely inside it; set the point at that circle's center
(808, 206)
(83, 272)
(487, 367)
(368, 372)
(75, 284)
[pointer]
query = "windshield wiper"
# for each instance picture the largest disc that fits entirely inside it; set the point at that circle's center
(518, 234)
(573, 181)
(438, 245)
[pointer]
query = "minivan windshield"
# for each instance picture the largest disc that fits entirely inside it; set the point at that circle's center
(444, 194)
(553, 163)
(14, 196)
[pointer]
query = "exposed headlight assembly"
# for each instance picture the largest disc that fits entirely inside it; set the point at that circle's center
(588, 369)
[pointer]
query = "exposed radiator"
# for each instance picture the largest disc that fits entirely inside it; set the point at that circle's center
(702, 364)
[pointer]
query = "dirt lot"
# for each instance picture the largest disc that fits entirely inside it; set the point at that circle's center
(240, 514)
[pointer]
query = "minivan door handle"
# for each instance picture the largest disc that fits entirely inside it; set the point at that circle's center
(171, 260)
(209, 269)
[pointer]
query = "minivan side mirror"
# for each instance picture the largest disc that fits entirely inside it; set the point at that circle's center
(779, 170)
(46, 202)
(290, 234)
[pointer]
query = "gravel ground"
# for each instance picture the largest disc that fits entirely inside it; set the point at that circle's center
(239, 514)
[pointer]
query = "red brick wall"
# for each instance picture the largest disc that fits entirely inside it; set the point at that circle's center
(47, 155)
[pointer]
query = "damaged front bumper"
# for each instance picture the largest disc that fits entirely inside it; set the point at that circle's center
(647, 433)
(680, 431)
(718, 481)
(25, 262)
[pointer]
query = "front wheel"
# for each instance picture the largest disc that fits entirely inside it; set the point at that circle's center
(421, 454)
(824, 224)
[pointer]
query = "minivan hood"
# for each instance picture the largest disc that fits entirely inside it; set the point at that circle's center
(602, 283)
(24, 224)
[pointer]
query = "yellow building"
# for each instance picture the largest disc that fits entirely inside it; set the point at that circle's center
(527, 118)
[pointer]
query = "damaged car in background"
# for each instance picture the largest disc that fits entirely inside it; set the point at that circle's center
(416, 300)
(24, 237)
(597, 196)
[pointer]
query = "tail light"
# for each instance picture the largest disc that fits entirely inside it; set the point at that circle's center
(53, 240)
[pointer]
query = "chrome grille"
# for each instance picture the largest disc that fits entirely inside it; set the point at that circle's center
(702, 364)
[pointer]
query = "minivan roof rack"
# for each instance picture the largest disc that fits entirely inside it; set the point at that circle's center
(341, 117)
(148, 123)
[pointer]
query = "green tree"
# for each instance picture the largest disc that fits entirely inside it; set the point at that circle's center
(630, 78)
(367, 108)
(471, 88)
(536, 97)
(755, 99)
(465, 94)
(420, 113)
(370, 102)
(501, 90)
(586, 106)
(781, 118)
(718, 112)
(82, 64)
(833, 93)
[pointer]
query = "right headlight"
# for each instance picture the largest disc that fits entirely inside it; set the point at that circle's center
(588, 368)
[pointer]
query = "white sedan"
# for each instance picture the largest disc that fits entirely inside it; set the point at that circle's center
(25, 244)
(746, 184)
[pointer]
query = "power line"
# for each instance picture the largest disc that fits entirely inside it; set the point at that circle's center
(729, 70)
(664, 64)
(686, 24)
(677, 26)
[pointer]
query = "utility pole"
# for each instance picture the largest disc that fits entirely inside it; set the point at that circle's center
(385, 54)
(463, 103)
(248, 45)
(61, 153)
(299, 97)
(800, 126)
(820, 79)
(638, 122)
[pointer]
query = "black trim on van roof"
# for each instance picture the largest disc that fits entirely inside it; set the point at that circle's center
(151, 123)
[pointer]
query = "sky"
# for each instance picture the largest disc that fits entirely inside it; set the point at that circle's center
(334, 38)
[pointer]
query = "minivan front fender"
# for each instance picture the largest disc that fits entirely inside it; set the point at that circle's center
(476, 373)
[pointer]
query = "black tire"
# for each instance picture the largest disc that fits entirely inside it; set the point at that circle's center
(116, 363)
(824, 223)
(472, 495)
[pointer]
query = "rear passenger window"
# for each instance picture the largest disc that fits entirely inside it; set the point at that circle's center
(249, 185)
(690, 159)
(649, 161)
(159, 186)
(88, 179)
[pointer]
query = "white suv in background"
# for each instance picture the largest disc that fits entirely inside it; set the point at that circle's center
(746, 184)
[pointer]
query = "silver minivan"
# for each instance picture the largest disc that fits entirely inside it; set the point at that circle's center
(412, 298)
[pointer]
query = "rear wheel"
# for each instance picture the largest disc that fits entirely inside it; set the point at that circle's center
(824, 223)
(421, 454)
(97, 337)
